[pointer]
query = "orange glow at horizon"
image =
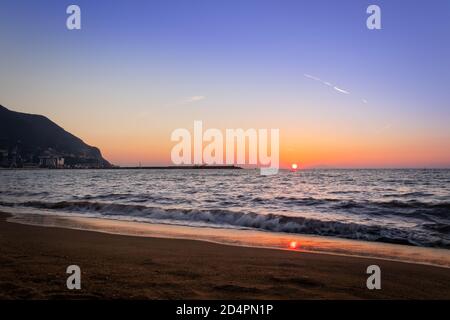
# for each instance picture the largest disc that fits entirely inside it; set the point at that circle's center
(153, 147)
(390, 155)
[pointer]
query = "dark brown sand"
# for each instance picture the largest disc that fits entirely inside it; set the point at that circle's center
(33, 261)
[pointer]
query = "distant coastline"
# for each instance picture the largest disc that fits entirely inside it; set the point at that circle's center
(231, 167)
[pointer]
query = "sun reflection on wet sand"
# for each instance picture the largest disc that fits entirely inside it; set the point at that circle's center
(250, 238)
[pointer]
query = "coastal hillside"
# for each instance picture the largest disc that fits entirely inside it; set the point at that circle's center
(36, 141)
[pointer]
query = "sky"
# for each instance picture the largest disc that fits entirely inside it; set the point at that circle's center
(340, 94)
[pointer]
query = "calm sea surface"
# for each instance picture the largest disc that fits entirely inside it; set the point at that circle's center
(395, 206)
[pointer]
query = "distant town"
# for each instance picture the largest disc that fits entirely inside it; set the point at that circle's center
(15, 157)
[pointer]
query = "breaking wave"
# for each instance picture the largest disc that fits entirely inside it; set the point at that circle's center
(266, 222)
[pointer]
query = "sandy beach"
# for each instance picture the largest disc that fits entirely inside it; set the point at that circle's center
(34, 259)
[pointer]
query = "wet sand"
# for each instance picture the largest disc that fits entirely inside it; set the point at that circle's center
(33, 261)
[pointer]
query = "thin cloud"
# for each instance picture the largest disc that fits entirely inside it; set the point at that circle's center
(312, 77)
(317, 79)
(341, 90)
(195, 98)
(189, 100)
(329, 84)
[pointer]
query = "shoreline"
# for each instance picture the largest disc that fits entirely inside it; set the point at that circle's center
(437, 257)
(34, 260)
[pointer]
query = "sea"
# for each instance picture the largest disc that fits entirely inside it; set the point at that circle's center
(400, 206)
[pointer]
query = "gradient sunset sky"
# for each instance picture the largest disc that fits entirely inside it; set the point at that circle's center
(341, 95)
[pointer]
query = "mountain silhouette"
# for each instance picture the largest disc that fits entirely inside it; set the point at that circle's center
(32, 136)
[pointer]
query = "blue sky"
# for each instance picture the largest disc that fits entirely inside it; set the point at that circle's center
(143, 60)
